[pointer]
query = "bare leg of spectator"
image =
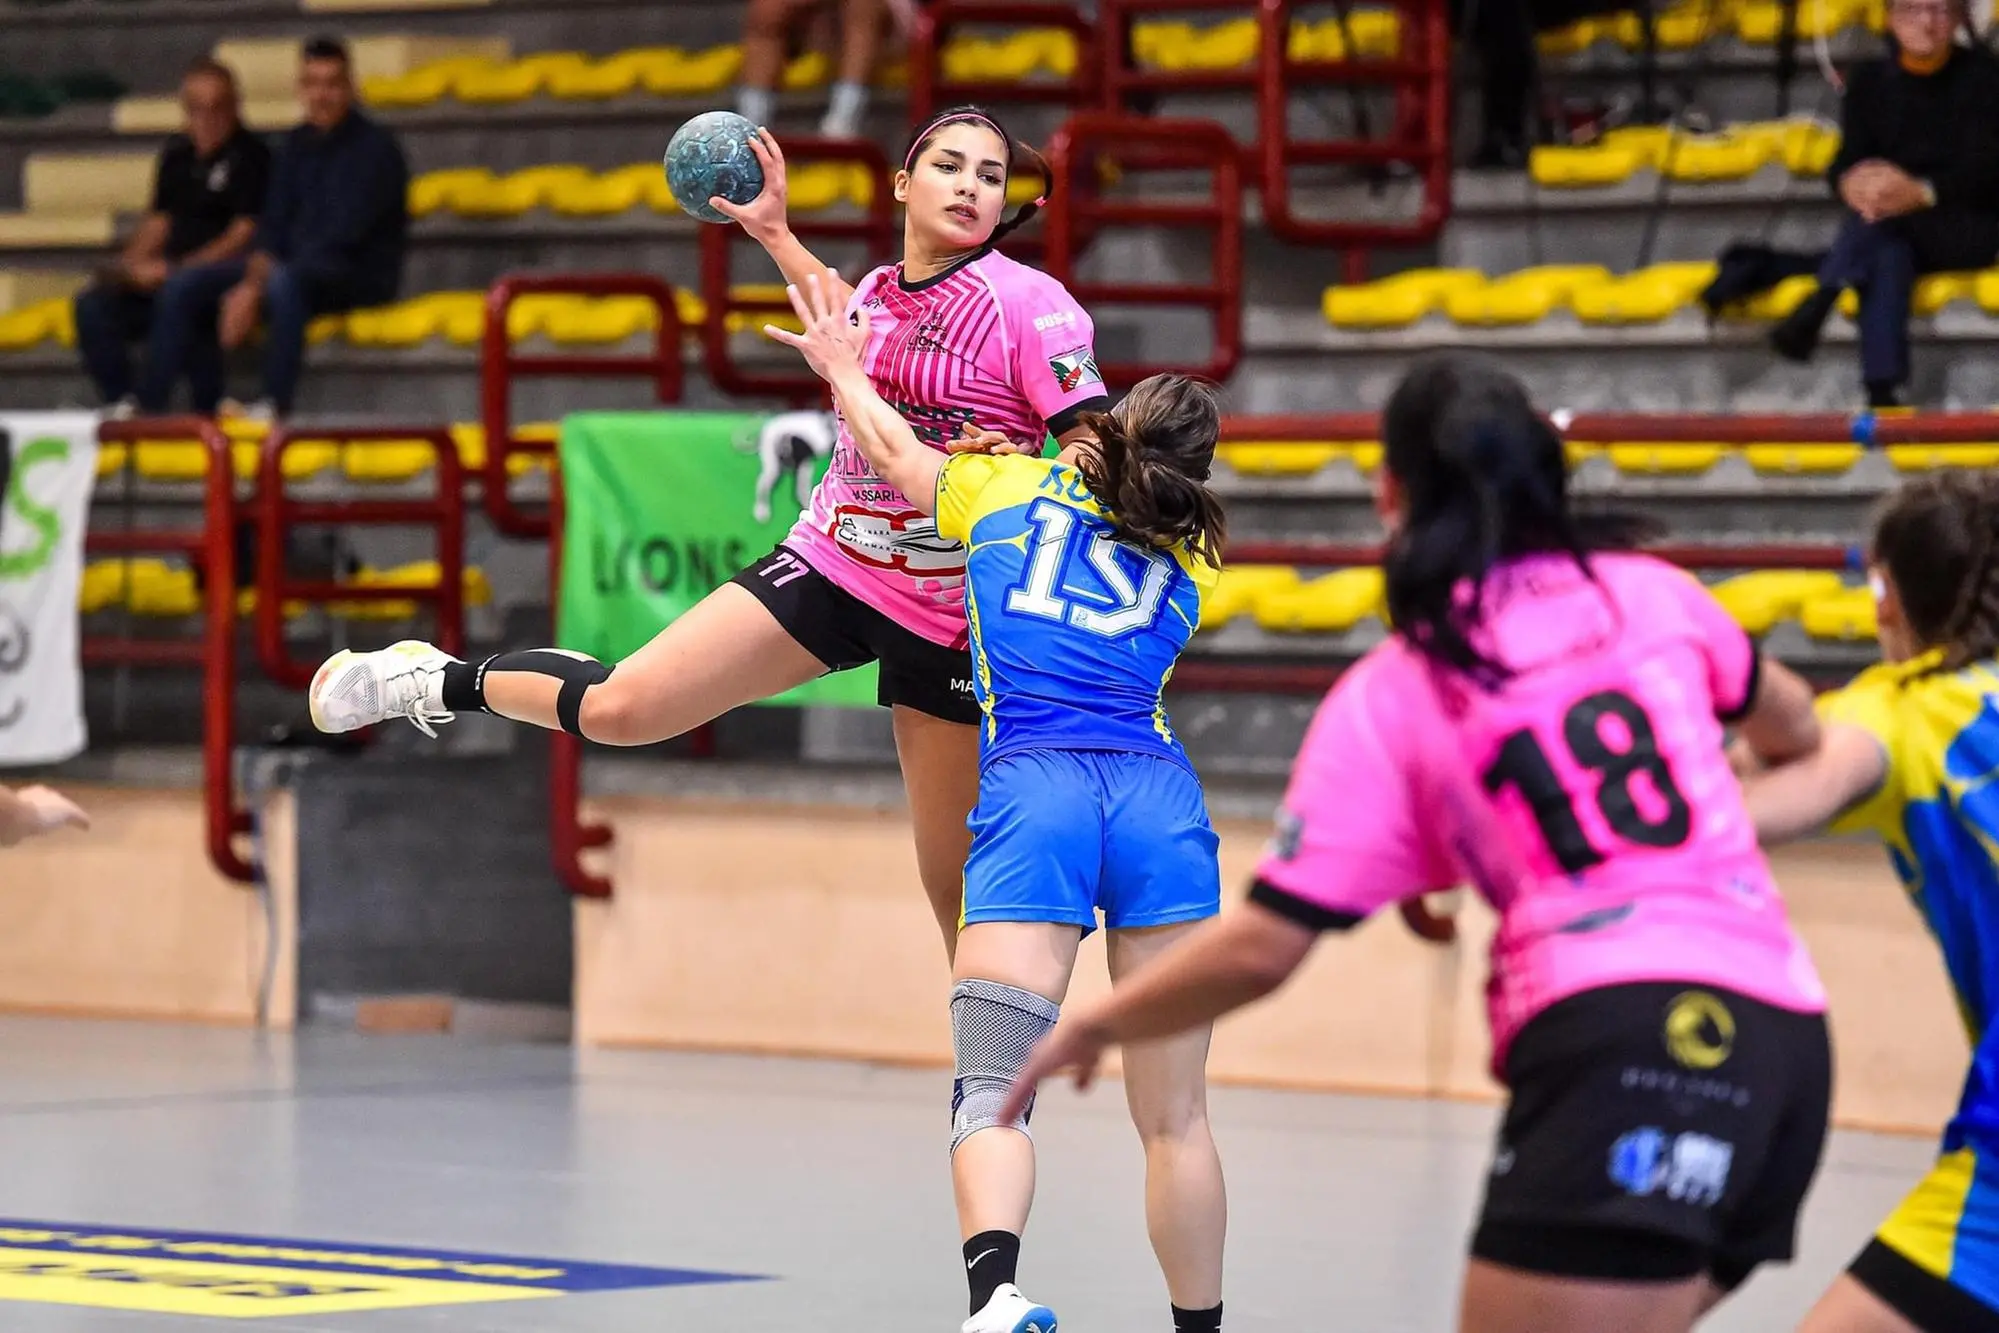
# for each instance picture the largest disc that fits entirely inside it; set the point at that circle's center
(766, 27)
(183, 320)
(860, 42)
(108, 319)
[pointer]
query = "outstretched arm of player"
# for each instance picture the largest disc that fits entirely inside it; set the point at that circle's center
(1799, 798)
(832, 346)
(1781, 724)
(767, 222)
(1231, 961)
(32, 810)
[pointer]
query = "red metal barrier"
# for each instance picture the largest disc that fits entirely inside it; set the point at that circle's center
(930, 90)
(444, 514)
(1077, 148)
(500, 366)
(568, 836)
(1865, 428)
(876, 230)
(212, 550)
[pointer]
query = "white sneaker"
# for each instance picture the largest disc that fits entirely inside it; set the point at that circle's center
(353, 690)
(1010, 1312)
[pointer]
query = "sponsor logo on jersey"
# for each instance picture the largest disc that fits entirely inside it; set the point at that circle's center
(1058, 319)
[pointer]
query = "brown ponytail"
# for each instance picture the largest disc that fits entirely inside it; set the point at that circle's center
(1938, 538)
(1150, 465)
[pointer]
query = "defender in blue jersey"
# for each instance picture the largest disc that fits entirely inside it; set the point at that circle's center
(1908, 752)
(1083, 582)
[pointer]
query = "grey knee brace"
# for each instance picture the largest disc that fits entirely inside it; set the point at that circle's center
(994, 1027)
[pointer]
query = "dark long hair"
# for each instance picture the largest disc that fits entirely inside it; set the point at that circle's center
(1484, 480)
(1149, 468)
(1938, 539)
(1018, 154)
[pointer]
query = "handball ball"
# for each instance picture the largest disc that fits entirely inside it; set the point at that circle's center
(710, 156)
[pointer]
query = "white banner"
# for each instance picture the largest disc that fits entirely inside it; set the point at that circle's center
(51, 463)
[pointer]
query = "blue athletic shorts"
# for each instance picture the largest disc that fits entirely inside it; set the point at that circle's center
(1059, 835)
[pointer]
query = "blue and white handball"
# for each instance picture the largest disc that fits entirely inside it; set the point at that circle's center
(710, 156)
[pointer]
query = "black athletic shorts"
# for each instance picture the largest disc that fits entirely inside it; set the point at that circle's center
(1657, 1132)
(845, 632)
(1932, 1303)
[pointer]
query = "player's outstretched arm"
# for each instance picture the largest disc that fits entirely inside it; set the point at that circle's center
(832, 346)
(767, 222)
(32, 810)
(1224, 964)
(1800, 798)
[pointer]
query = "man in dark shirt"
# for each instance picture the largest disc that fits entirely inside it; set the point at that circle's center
(331, 234)
(1918, 170)
(207, 188)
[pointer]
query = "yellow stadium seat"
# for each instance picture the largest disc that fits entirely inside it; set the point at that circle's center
(695, 73)
(1760, 600)
(1571, 39)
(418, 574)
(1525, 297)
(326, 328)
(614, 192)
(1934, 291)
(1761, 22)
(1985, 290)
(155, 588)
(1367, 33)
(1328, 604)
(1645, 297)
(1718, 157)
(1780, 300)
(610, 319)
(101, 587)
(1365, 455)
(427, 84)
(1844, 616)
(405, 324)
(111, 460)
(31, 326)
(597, 80)
(1237, 590)
(1802, 460)
(1933, 457)
(1673, 460)
(1809, 147)
(1396, 301)
(1280, 459)
(459, 317)
(470, 438)
(437, 191)
(1561, 167)
(385, 462)
(518, 81)
(1688, 24)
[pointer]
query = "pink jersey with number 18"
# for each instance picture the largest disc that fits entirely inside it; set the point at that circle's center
(1587, 798)
(992, 343)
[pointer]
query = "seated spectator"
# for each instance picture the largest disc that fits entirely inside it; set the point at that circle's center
(207, 187)
(330, 237)
(1918, 170)
(767, 32)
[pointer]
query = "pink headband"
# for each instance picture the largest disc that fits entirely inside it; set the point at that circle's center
(955, 118)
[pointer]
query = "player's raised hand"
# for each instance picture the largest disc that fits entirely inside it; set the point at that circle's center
(764, 215)
(831, 342)
(978, 440)
(1075, 1046)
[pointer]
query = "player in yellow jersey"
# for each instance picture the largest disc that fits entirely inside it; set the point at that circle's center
(1909, 752)
(1084, 579)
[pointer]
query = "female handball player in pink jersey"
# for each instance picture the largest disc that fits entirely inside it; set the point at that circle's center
(963, 340)
(1546, 723)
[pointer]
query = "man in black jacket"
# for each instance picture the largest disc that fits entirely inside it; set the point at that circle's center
(331, 234)
(208, 186)
(1918, 170)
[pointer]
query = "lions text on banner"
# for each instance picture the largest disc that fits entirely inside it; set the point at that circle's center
(44, 508)
(662, 508)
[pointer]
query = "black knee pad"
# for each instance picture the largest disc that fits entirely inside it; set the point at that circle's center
(576, 671)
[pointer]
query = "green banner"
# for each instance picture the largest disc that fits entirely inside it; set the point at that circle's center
(662, 508)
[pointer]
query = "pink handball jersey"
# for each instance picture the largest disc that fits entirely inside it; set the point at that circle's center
(1588, 798)
(991, 342)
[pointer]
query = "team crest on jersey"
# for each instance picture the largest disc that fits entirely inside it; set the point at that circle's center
(1075, 368)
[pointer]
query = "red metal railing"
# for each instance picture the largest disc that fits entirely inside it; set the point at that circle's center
(875, 230)
(443, 513)
(500, 366)
(931, 90)
(1078, 147)
(212, 550)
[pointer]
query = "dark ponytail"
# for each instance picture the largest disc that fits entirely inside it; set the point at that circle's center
(1484, 480)
(1150, 465)
(1938, 539)
(1017, 155)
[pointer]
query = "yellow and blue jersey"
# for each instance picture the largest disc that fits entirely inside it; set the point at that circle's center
(1937, 809)
(1073, 633)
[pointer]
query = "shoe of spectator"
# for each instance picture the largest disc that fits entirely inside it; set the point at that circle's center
(1796, 336)
(1500, 152)
(123, 410)
(259, 410)
(1885, 397)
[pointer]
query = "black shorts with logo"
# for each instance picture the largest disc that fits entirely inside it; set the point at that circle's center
(845, 632)
(1657, 1132)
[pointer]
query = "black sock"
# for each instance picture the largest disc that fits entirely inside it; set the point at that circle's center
(1198, 1321)
(465, 686)
(992, 1259)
